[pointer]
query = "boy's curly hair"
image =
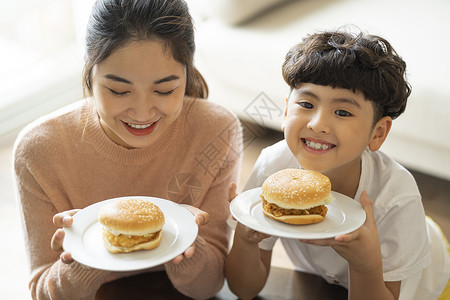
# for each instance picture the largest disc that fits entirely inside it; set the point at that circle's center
(355, 61)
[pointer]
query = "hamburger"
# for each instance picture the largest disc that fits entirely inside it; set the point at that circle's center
(130, 225)
(296, 196)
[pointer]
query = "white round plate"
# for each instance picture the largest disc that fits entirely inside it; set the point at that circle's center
(344, 216)
(85, 242)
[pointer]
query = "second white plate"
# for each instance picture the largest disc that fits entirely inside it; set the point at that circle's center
(84, 238)
(344, 215)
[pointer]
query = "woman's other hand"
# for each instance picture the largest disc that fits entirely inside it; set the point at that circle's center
(201, 218)
(63, 219)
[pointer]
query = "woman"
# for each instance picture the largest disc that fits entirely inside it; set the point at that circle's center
(142, 131)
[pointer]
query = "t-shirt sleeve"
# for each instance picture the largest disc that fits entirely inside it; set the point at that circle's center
(403, 239)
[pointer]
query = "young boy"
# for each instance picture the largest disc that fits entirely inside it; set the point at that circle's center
(345, 90)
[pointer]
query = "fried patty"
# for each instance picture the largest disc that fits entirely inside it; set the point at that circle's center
(128, 241)
(278, 211)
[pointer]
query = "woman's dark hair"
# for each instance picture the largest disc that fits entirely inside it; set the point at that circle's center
(114, 23)
(355, 61)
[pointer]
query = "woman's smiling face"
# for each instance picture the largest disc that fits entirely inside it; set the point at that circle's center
(328, 128)
(138, 92)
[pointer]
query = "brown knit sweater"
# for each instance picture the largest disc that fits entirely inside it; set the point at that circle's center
(65, 161)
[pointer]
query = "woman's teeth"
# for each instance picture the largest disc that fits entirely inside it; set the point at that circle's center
(317, 146)
(135, 126)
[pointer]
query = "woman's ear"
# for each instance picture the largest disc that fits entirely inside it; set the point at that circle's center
(283, 122)
(380, 133)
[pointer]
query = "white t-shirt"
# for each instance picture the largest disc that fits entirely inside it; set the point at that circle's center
(398, 210)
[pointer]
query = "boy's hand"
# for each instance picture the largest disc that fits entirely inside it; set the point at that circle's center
(249, 235)
(232, 194)
(361, 248)
(246, 234)
(232, 191)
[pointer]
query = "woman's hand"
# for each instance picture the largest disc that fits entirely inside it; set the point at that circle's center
(201, 218)
(63, 219)
(361, 248)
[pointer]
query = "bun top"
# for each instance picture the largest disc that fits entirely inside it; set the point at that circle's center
(297, 189)
(131, 216)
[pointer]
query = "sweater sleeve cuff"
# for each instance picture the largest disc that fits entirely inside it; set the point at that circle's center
(90, 279)
(200, 276)
(186, 265)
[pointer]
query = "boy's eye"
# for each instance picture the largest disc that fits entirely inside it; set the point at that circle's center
(343, 113)
(306, 105)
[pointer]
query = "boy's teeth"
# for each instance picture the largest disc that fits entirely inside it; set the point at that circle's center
(317, 146)
(139, 126)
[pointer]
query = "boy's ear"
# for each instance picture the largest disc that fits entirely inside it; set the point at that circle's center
(380, 133)
(283, 122)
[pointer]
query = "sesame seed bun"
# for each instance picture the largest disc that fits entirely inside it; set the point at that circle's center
(130, 225)
(296, 196)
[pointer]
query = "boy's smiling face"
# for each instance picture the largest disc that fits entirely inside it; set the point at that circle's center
(328, 128)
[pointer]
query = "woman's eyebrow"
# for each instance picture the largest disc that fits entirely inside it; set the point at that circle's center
(120, 79)
(165, 79)
(117, 78)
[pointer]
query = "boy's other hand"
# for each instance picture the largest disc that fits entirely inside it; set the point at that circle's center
(361, 248)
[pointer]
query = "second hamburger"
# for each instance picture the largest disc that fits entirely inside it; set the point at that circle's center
(131, 225)
(296, 196)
